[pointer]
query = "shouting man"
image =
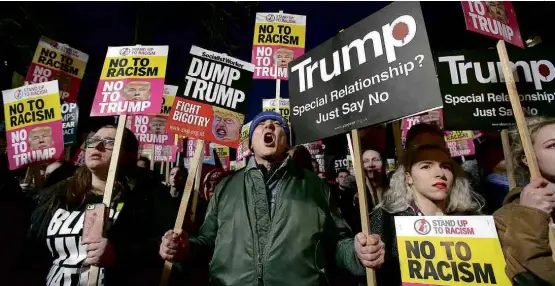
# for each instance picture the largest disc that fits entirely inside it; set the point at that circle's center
(271, 223)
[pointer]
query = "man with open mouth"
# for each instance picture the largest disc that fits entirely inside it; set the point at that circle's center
(273, 220)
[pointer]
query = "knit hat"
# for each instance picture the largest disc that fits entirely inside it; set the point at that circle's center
(271, 115)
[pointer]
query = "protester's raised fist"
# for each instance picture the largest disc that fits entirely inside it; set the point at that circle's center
(174, 246)
(100, 251)
(370, 250)
(539, 194)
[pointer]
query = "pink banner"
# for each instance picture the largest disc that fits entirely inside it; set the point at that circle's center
(496, 19)
(151, 129)
(128, 96)
(165, 153)
(34, 145)
(271, 61)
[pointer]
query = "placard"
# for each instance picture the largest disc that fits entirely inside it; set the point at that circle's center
(223, 155)
(33, 124)
(496, 19)
(284, 108)
(377, 70)
(132, 81)
(56, 61)
(165, 153)
(216, 93)
(278, 39)
(430, 117)
(70, 119)
(460, 143)
(474, 92)
(450, 250)
(243, 151)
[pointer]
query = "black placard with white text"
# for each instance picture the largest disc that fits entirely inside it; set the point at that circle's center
(474, 91)
(378, 70)
(70, 117)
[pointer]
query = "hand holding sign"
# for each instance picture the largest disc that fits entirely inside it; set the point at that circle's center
(539, 194)
(174, 245)
(370, 250)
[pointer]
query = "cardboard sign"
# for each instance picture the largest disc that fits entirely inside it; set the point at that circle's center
(496, 19)
(430, 117)
(167, 100)
(315, 148)
(165, 153)
(460, 143)
(243, 151)
(377, 70)
(284, 108)
(56, 61)
(189, 152)
(33, 124)
(475, 95)
(70, 118)
(223, 155)
(450, 250)
(216, 92)
(278, 39)
(132, 81)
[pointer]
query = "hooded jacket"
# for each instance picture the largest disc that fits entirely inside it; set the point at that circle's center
(524, 235)
(273, 229)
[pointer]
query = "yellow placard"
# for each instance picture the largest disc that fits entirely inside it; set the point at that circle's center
(32, 111)
(133, 66)
(458, 135)
(279, 34)
(59, 61)
(167, 103)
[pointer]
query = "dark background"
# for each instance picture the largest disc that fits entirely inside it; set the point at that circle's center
(226, 27)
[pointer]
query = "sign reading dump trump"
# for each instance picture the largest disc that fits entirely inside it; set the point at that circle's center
(378, 70)
(450, 250)
(132, 81)
(33, 124)
(215, 98)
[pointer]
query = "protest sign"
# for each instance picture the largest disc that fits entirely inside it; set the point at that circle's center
(216, 92)
(475, 94)
(496, 19)
(33, 124)
(56, 61)
(346, 83)
(167, 100)
(189, 152)
(284, 109)
(243, 151)
(132, 81)
(165, 153)
(223, 155)
(450, 250)
(151, 129)
(70, 118)
(278, 39)
(430, 117)
(460, 143)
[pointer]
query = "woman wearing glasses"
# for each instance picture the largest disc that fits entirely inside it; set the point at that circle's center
(128, 252)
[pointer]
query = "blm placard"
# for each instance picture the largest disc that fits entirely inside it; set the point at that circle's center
(278, 39)
(215, 98)
(475, 94)
(56, 61)
(496, 19)
(450, 250)
(33, 124)
(377, 70)
(132, 81)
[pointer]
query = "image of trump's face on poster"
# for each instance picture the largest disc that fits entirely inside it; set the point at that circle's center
(496, 10)
(282, 57)
(137, 91)
(226, 125)
(40, 138)
(157, 125)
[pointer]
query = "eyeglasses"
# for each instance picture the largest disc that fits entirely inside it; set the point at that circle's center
(92, 142)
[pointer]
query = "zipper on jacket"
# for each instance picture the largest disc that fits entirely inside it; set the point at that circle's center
(260, 268)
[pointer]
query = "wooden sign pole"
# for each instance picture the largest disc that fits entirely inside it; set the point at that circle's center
(509, 167)
(362, 201)
(107, 199)
(199, 150)
(522, 127)
(161, 168)
(168, 171)
(196, 189)
(152, 156)
(278, 82)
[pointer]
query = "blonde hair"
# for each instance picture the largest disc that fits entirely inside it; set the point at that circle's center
(535, 124)
(41, 129)
(225, 112)
(400, 195)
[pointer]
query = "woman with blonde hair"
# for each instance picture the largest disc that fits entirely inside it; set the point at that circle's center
(427, 183)
(523, 221)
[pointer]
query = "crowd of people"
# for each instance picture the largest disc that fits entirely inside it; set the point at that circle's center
(274, 222)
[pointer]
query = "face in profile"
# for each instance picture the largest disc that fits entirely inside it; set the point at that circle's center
(225, 126)
(157, 125)
(99, 149)
(431, 175)
(496, 10)
(40, 138)
(137, 91)
(282, 57)
(544, 146)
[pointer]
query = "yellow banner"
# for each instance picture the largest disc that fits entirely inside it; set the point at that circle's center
(31, 111)
(279, 34)
(59, 61)
(133, 66)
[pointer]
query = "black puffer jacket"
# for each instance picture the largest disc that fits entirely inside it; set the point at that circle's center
(146, 215)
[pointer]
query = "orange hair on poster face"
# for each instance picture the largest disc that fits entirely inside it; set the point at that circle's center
(226, 125)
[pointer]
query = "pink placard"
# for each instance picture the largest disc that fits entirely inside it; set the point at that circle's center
(496, 19)
(117, 97)
(151, 129)
(34, 145)
(271, 61)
